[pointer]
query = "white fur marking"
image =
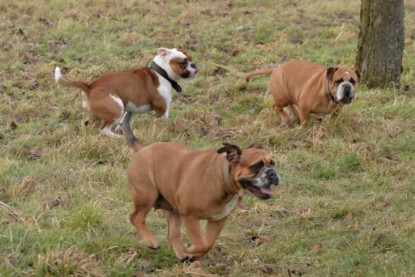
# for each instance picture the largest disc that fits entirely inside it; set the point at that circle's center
(229, 207)
(164, 61)
(164, 117)
(165, 89)
(137, 110)
(118, 101)
(106, 131)
(340, 90)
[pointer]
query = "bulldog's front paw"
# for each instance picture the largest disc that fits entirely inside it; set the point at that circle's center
(150, 243)
(188, 258)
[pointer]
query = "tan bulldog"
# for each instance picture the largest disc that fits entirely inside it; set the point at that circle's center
(305, 87)
(191, 185)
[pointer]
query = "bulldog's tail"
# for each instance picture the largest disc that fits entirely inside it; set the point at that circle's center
(132, 141)
(58, 78)
(251, 74)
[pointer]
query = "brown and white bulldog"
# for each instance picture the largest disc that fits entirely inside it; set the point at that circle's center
(138, 91)
(191, 185)
(306, 87)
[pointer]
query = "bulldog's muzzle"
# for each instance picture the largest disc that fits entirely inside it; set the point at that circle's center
(345, 93)
(260, 186)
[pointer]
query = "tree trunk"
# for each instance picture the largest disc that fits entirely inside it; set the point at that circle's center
(381, 41)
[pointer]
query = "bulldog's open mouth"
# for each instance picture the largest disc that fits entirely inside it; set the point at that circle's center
(263, 193)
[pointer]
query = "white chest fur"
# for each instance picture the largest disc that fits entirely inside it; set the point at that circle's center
(165, 89)
(229, 207)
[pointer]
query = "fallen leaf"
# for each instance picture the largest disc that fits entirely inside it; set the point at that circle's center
(64, 114)
(35, 153)
(296, 271)
(146, 264)
(317, 246)
(379, 239)
(387, 206)
(266, 268)
(13, 125)
(60, 200)
(333, 224)
(257, 241)
(32, 84)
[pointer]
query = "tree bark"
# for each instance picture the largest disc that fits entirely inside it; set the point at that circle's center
(381, 42)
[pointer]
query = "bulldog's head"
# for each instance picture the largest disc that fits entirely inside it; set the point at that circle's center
(342, 82)
(176, 62)
(252, 168)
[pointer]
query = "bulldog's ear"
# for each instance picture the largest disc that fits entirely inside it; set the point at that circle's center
(233, 152)
(330, 72)
(256, 145)
(162, 51)
(357, 73)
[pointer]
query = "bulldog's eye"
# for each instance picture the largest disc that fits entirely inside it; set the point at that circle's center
(183, 63)
(258, 166)
(272, 163)
(339, 81)
(352, 81)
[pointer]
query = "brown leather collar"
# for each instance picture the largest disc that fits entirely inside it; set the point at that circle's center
(331, 97)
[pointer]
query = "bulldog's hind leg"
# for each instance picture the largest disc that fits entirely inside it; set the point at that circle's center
(294, 111)
(111, 110)
(143, 202)
(174, 235)
(282, 114)
(107, 125)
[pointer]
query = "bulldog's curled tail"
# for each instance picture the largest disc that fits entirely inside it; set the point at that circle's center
(132, 141)
(251, 74)
(58, 78)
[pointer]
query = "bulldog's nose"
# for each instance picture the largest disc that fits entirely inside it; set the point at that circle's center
(348, 90)
(273, 177)
(347, 87)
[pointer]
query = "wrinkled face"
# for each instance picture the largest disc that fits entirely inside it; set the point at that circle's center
(179, 62)
(343, 83)
(256, 173)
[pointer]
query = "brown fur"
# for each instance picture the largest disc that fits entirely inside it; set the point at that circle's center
(301, 86)
(189, 186)
(138, 87)
(137, 91)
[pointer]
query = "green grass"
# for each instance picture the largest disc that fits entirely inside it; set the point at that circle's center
(345, 203)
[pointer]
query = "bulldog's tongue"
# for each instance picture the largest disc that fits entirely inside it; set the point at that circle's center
(268, 191)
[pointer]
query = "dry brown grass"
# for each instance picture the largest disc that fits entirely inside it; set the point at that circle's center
(345, 204)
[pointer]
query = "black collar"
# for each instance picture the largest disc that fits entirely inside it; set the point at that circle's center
(163, 73)
(331, 97)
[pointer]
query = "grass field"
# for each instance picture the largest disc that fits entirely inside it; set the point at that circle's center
(346, 203)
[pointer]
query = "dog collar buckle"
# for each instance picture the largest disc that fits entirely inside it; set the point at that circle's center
(163, 73)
